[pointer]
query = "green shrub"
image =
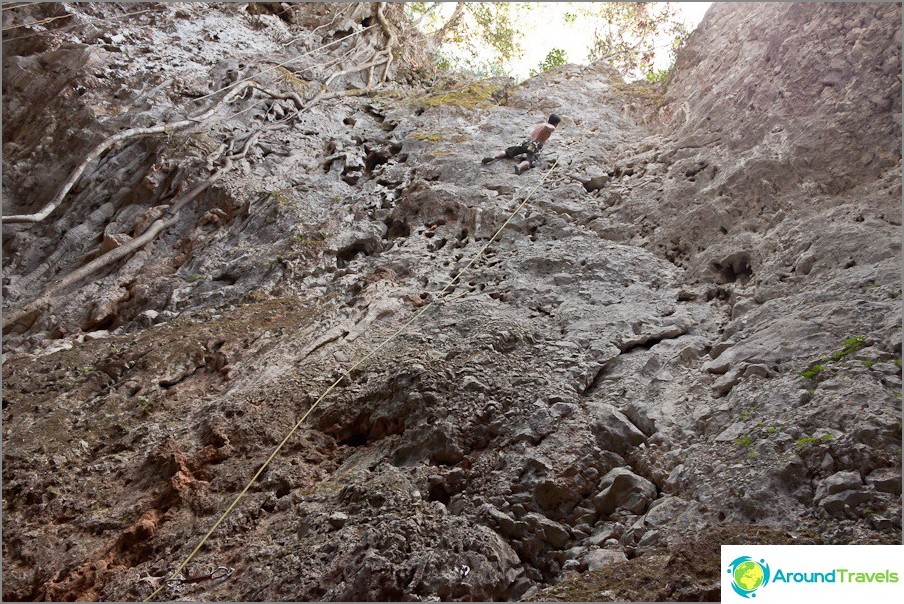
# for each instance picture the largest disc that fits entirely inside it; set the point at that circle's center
(806, 441)
(848, 346)
(556, 57)
(145, 404)
(813, 371)
(656, 76)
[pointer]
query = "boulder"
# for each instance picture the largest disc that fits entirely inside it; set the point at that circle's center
(612, 429)
(623, 489)
(598, 558)
(837, 482)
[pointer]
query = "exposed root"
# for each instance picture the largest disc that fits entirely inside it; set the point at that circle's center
(381, 57)
(112, 256)
(137, 132)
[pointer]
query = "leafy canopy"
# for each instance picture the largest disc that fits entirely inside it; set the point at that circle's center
(481, 37)
(487, 38)
(556, 57)
(628, 34)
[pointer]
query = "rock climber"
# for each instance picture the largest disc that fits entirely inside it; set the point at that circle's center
(539, 134)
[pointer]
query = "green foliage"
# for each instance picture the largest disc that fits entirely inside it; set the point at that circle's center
(471, 66)
(145, 404)
(496, 26)
(194, 277)
(486, 38)
(743, 441)
(556, 57)
(848, 346)
(626, 34)
(656, 76)
(415, 10)
(897, 362)
(868, 363)
(806, 441)
(813, 371)
(477, 37)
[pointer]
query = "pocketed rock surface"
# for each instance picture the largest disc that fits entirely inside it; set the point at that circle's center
(690, 335)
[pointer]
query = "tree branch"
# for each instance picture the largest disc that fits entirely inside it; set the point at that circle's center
(430, 10)
(440, 34)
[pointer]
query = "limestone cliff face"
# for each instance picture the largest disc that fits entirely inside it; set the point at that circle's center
(691, 334)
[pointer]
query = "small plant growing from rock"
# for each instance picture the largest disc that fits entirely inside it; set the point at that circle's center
(743, 441)
(848, 346)
(280, 198)
(813, 371)
(806, 441)
(145, 404)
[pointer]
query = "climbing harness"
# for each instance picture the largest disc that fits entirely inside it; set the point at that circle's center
(434, 299)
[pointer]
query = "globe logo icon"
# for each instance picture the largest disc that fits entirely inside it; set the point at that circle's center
(748, 575)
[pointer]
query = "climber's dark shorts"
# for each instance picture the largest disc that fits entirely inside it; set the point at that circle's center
(531, 149)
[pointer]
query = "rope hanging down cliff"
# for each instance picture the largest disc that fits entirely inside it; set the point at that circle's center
(436, 297)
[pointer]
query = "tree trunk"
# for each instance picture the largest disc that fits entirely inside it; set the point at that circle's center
(449, 25)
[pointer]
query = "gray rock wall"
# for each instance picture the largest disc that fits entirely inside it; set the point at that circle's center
(691, 329)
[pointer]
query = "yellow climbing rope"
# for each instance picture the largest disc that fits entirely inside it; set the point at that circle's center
(348, 372)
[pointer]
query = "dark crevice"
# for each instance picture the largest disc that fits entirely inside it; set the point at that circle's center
(648, 341)
(396, 228)
(355, 440)
(365, 247)
(226, 278)
(735, 267)
(598, 378)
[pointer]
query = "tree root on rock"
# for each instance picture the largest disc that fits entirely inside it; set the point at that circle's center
(132, 133)
(29, 313)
